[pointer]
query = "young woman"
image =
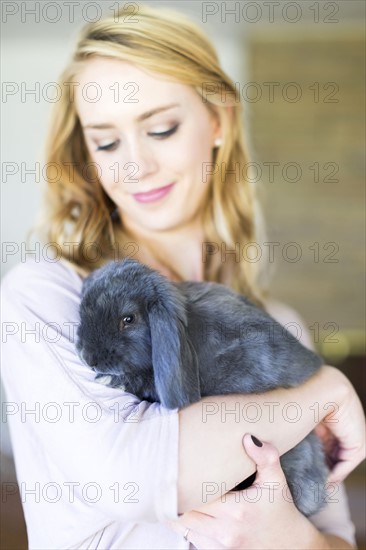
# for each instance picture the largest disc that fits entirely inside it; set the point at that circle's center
(143, 143)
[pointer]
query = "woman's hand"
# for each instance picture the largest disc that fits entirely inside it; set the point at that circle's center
(343, 433)
(256, 518)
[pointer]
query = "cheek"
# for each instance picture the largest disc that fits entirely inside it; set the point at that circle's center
(191, 150)
(198, 163)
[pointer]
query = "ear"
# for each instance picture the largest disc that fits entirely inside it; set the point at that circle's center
(174, 359)
(215, 116)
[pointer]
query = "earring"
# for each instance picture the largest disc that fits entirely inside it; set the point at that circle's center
(218, 142)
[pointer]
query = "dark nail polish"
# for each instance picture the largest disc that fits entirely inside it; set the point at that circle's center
(256, 441)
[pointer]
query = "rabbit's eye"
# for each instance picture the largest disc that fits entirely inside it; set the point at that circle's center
(125, 321)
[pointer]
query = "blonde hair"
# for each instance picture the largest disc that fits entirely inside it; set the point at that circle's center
(76, 207)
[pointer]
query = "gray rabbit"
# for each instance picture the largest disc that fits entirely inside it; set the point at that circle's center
(178, 342)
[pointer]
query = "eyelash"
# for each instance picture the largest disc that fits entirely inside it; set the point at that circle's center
(158, 135)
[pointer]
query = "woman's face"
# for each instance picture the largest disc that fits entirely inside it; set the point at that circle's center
(146, 133)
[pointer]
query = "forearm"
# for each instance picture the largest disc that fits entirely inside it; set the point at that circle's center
(210, 445)
(313, 539)
(306, 536)
(335, 542)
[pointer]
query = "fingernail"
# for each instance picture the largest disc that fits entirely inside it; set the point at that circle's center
(256, 441)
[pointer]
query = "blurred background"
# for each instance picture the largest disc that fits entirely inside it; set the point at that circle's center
(299, 68)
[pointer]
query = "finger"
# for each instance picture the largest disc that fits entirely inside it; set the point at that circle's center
(232, 506)
(267, 459)
(347, 463)
(340, 471)
(201, 532)
(204, 543)
(221, 507)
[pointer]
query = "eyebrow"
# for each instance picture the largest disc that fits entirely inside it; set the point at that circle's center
(140, 118)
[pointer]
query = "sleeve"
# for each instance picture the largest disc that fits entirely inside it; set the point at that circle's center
(81, 447)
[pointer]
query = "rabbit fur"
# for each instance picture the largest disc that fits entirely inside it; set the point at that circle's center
(175, 343)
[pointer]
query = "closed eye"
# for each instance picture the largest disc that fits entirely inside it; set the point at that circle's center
(108, 147)
(163, 135)
(157, 135)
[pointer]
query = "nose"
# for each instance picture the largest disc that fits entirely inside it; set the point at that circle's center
(141, 162)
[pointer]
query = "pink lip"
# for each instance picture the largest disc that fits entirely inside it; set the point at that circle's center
(154, 195)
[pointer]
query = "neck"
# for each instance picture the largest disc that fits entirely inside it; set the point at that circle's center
(179, 248)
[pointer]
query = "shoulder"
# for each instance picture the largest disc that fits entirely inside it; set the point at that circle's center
(290, 319)
(42, 288)
(282, 312)
(21, 277)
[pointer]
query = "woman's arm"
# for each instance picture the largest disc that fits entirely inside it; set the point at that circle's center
(257, 517)
(214, 428)
(332, 541)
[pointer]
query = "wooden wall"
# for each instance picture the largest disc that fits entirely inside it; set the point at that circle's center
(313, 127)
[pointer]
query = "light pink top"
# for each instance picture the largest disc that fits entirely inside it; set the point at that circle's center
(96, 467)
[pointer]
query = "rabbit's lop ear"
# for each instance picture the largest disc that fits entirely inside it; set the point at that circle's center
(174, 359)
